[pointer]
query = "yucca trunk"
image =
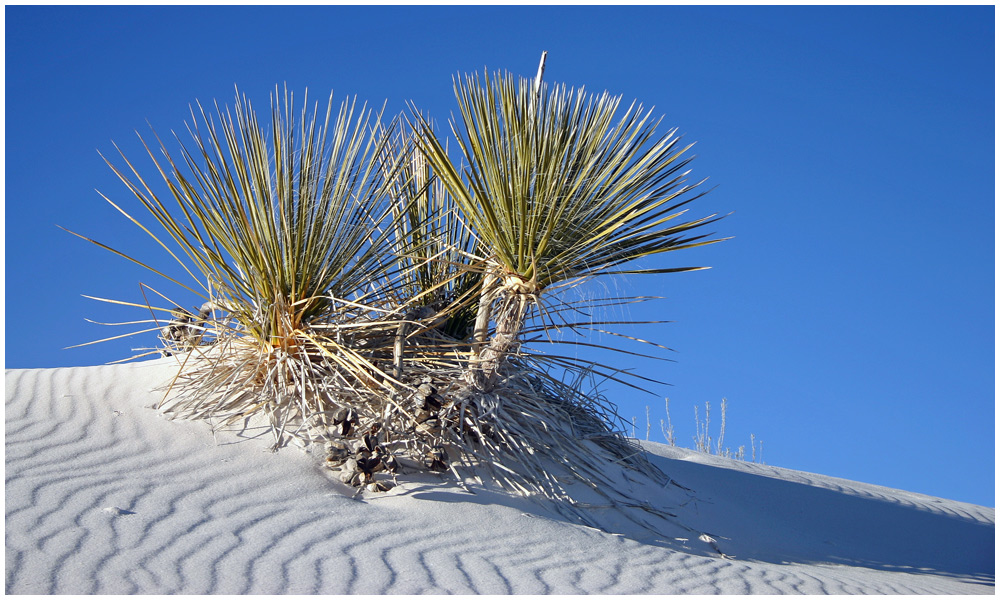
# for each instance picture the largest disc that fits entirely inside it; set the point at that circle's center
(488, 357)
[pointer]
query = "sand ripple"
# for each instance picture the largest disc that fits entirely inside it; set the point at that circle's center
(103, 496)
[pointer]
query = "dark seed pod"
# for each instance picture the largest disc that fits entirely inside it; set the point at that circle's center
(435, 459)
(370, 465)
(380, 486)
(351, 421)
(390, 463)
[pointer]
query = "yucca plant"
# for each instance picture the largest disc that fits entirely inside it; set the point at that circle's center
(286, 227)
(558, 188)
(350, 273)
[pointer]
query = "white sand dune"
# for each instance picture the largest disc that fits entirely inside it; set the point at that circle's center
(103, 495)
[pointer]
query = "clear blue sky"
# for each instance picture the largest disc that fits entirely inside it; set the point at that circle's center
(850, 322)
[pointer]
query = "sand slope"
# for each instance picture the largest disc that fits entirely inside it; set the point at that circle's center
(103, 495)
